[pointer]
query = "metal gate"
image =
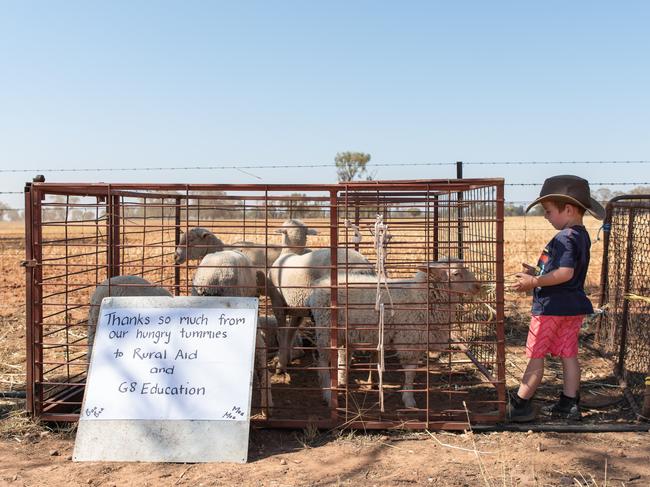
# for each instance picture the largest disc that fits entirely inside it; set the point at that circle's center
(623, 329)
(78, 235)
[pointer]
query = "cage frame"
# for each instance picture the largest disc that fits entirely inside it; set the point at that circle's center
(35, 193)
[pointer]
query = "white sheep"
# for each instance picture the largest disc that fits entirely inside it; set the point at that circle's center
(405, 331)
(225, 273)
(196, 244)
(118, 286)
(199, 241)
(294, 277)
(231, 273)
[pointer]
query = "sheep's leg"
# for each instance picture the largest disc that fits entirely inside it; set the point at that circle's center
(324, 373)
(342, 365)
(407, 393)
(296, 345)
(286, 335)
(278, 305)
(262, 376)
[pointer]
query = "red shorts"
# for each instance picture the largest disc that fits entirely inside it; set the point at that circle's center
(557, 335)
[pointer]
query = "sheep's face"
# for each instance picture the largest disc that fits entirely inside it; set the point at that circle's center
(461, 280)
(195, 244)
(294, 233)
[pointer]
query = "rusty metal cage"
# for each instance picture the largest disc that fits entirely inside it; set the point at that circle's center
(79, 235)
(623, 329)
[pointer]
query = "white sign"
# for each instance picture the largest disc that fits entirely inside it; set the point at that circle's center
(158, 360)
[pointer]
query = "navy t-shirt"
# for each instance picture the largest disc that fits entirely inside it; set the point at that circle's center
(569, 248)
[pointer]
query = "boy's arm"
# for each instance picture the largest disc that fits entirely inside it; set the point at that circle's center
(526, 282)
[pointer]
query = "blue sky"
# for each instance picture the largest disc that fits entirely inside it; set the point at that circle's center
(169, 84)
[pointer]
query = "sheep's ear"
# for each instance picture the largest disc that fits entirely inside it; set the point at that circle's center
(203, 233)
(439, 273)
(438, 270)
(312, 231)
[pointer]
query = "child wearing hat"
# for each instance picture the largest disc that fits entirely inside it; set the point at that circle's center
(559, 299)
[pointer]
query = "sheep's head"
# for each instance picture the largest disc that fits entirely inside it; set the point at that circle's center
(196, 244)
(294, 234)
(460, 279)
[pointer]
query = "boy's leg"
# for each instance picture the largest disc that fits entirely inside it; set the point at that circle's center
(571, 371)
(568, 406)
(532, 378)
(520, 408)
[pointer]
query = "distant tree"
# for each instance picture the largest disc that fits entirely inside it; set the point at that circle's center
(641, 190)
(9, 214)
(603, 195)
(513, 210)
(300, 206)
(55, 208)
(351, 165)
(211, 205)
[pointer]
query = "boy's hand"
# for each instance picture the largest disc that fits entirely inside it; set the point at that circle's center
(525, 282)
(529, 269)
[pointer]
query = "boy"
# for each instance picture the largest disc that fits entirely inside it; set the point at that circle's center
(559, 299)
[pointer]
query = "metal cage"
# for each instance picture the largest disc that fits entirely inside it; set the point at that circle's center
(623, 329)
(78, 235)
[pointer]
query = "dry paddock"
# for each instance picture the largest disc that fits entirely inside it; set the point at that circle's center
(37, 454)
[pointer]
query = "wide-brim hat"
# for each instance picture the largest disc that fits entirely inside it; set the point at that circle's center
(571, 189)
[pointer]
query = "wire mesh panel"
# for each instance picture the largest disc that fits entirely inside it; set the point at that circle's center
(623, 330)
(370, 251)
(445, 327)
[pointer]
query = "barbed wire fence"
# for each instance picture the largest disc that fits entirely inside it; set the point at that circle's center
(16, 212)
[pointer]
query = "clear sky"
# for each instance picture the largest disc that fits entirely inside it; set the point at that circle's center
(167, 84)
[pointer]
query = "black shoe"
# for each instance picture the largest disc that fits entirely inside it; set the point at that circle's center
(565, 408)
(520, 410)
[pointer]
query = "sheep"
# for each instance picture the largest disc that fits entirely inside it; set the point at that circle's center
(231, 273)
(199, 241)
(196, 244)
(293, 276)
(443, 281)
(225, 273)
(118, 286)
(294, 238)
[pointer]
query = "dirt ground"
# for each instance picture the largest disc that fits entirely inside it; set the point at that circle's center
(34, 454)
(277, 458)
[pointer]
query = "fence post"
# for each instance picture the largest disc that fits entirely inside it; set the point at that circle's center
(113, 240)
(29, 302)
(334, 313)
(604, 269)
(620, 367)
(177, 239)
